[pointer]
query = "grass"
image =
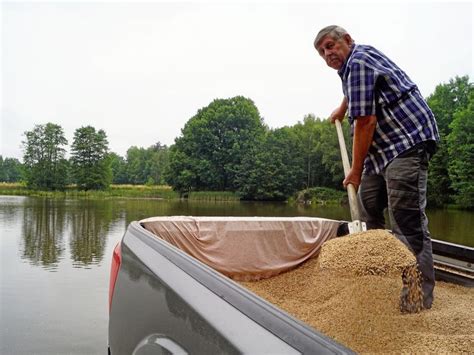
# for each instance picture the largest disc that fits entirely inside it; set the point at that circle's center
(321, 196)
(115, 191)
(317, 195)
(213, 196)
(119, 191)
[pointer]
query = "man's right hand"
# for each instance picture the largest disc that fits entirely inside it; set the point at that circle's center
(337, 115)
(340, 112)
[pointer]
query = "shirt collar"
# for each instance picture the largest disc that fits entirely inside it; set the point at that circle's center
(344, 66)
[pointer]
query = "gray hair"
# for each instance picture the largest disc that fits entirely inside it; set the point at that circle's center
(336, 32)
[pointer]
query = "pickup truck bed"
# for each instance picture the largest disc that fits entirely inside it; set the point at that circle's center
(164, 301)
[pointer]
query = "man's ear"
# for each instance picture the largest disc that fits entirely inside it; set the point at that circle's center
(348, 39)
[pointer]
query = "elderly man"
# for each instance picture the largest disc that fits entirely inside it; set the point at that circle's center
(394, 135)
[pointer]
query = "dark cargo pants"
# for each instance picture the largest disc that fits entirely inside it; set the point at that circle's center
(401, 187)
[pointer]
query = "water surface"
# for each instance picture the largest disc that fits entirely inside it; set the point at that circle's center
(55, 259)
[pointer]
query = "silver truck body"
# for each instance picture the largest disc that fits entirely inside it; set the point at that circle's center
(163, 301)
(166, 302)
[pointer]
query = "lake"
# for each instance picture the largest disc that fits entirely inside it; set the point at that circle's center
(55, 259)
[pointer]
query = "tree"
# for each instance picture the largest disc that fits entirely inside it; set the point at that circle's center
(275, 168)
(328, 145)
(319, 147)
(461, 152)
(157, 163)
(137, 165)
(89, 159)
(308, 134)
(119, 169)
(44, 157)
(446, 100)
(449, 98)
(208, 154)
(10, 169)
(147, 166)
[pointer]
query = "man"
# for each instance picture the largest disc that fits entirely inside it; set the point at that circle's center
(394, 135)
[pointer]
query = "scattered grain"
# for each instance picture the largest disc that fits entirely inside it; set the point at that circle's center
(345, 297)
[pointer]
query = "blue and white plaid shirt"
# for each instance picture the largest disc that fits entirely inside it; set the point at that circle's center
(374, 85)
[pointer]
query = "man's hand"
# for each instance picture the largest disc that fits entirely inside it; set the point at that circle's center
(340, 112)
(353, 178)
(337, 115)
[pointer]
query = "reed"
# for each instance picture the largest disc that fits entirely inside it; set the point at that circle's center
(320, 196)
(114, 191)
(213, 196)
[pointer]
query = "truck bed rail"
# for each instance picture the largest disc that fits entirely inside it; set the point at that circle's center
(453, 263)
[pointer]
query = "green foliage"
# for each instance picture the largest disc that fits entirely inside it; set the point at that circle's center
(309, 135)
(136, 165)
(461, 151)
(89, 159)
(159, 160)
(321, 195)
(331, 153)
(10, 170)
(208, 154)
(115, 191)
(439, 184)
(227, 149)
(44, 157)
(274, 169)
(445, 102)
(213, 196)
(449, 98)
(119, 169)
(320, 149)
(181, 172)
(147, 165)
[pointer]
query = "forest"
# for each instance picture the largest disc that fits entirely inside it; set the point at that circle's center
(226, 146)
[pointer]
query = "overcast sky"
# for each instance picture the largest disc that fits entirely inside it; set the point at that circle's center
(140, 71)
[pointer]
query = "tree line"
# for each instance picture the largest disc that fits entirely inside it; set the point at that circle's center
(91, 166)
(226, 146)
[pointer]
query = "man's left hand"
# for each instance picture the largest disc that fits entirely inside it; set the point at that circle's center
(353, 178)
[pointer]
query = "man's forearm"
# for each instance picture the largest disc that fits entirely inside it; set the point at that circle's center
(363, 133)
(343, 106)
(340, 111)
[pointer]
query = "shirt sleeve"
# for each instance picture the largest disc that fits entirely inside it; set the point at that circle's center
(360, 90)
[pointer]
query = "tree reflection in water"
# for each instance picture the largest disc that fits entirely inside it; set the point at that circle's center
(44, 225)
(49, 225)
(89, 227)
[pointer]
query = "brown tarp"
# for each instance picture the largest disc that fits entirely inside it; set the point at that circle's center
(245, 248)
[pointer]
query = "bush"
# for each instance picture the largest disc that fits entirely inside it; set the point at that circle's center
(320, 195)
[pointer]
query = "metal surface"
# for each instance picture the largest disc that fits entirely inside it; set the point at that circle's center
(162, 290)
(453, 263)
(460, 265)
(167, 301)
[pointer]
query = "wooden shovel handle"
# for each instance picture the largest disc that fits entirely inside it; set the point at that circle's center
(351, 191)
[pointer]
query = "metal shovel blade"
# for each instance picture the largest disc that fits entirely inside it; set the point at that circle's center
(356, 226)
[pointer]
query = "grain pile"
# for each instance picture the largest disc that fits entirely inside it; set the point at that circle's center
(374, 252)
(358, 306)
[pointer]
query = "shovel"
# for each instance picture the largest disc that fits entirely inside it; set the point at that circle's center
(356, 225)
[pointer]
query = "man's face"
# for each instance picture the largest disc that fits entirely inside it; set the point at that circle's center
(334, 51)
